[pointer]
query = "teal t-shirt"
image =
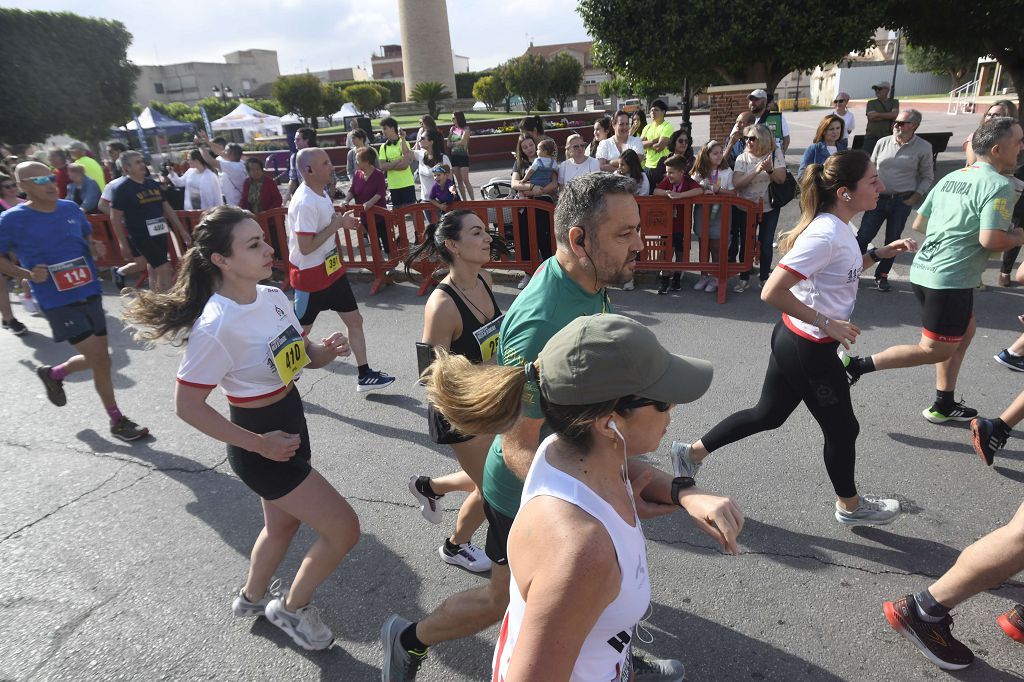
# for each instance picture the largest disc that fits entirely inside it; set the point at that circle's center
(550, 302)
(960, 205)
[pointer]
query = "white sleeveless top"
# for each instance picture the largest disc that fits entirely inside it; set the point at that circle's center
(606, 652)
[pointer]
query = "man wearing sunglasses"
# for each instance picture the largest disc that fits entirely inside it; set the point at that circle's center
(881, 112)
(841, 103)
(51, 238)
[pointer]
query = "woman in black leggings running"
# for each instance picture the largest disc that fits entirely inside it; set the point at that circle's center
(815, 288)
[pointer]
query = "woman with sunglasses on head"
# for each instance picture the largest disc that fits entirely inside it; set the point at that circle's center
(577, 553)
(577, 162)
(760, 164)
(815, 289)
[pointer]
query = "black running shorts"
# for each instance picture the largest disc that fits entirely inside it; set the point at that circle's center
(153, 249)
(498, 528)
(945, 313)
(75, 322)
(338, 297)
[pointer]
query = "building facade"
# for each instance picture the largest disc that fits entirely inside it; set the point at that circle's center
(593, 75)
(247, 73)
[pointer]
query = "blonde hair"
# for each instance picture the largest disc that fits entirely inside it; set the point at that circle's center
(475, 399)
(568, 140)
(765, 139)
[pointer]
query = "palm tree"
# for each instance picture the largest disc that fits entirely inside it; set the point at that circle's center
(431, 93)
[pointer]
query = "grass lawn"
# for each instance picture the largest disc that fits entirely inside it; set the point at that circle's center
(446, 117)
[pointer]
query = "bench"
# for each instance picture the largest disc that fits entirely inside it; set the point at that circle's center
(938, 141)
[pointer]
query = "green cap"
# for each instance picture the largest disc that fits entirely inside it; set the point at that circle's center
(604, 357)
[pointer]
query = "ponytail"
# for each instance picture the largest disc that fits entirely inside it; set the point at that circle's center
(819, 185)
(475, 399)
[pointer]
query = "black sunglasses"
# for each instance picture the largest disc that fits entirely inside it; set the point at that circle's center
(839, 101)
(900, 124)
(750, 139)
(635, 402)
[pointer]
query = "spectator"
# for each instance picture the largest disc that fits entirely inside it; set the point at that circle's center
(715, 177)
(602, 131)
(760, 164)
(637, 123)
(828, 139)
(115, 149)
(881, 112)
(842, 110)
(677, 184)
(544, 169)
(526, 154)
(629, 164)
(655, 137)
(80, 153)
(427, 123)
(232, 169)
(458, 147)
(8, 193)
(259, 191)
(533, 127)
(58, 161)
(905, 167)
(82, 189)
(358, 139)
(736, 144)
(430, 154)
(369, 189)
(679, 144)
(576, 160)
(1003, 107)
(443, 192)
(395, 159)
(202, 191)
(304, 137)
(610, 149)
(757, 104)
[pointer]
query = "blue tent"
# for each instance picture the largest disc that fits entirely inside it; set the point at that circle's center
(155, 123)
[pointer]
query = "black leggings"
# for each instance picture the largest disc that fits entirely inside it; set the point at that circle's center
(801, 371)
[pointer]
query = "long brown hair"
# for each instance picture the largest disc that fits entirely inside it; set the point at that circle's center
(818, 187)
(702, 164)
(819, 134)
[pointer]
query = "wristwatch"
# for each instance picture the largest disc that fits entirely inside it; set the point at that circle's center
(873, 252)
(679, 484)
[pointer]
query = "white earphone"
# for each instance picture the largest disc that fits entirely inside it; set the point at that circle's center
(614, 427)
(846, 195)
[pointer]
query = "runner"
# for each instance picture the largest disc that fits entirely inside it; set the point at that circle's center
(815, 288)
(924, 618)
(966, 215)
(245, 338)
(317, 273)
(461, 317)
(139, 218)
(580, 582)
(596, 229)
(51, 238)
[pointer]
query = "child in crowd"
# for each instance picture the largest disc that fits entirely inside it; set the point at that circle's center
(544, 168)
(443, 192)
(715, 177)
(676, 185)
(631, 166)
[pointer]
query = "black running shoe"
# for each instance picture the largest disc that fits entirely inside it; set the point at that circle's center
(663, 286)
(374, 381)
(54, 387)
(677, 282)
(17, 328)
(882, 284)
(934, 640)
(127, 430)
(852, 367)
(957, 412)
(985, 440)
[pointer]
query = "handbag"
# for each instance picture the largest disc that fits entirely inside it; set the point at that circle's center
(780, 194)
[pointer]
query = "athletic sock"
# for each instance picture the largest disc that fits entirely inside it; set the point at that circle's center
(1001, 428)
(364, 370)
(450, 547)
(423, 485)
(944, 398)
(1010, 352)
(115, 414)
(410, 642)
(928, 609)
(58, 372)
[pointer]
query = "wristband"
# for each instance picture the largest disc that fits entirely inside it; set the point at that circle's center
(824, 325)
(873, 252)
(679, 484)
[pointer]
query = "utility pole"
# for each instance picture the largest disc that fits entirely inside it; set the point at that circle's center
(895, 63)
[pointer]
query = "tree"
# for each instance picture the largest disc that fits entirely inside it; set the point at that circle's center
(527, 76)
(967, 29)
(432, 94)
(331, 100)
(217, 107)
(302, 94)
(565, 74)
(365, 96)
(63, 73)
(759, 42)
(934, 60)
(490, 90)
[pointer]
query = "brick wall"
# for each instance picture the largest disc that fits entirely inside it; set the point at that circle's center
(727, 101)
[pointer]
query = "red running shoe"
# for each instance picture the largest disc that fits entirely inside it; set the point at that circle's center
(934, 640)
(1012, 622)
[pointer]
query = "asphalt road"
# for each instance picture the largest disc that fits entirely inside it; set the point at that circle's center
(120, 561)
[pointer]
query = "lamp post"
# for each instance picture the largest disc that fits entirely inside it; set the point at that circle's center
(223, 92)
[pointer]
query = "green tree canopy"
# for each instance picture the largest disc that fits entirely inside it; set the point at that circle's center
(527, 76)
(490, 90)
(303, 94)
(935, 60)
(738, 43)
(63, 73)
(565, 74)
(432, 94)
(365, 96)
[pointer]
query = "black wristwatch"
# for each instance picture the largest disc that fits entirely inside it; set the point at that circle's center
(873, 252)
(679, 484)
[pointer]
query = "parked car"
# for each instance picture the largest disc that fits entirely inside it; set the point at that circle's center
(631, 105)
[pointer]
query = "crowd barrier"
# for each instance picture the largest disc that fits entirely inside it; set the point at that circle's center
(385, 237)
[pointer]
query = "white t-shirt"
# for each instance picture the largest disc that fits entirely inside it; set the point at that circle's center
(309, 213)
(758, 188)
(723, 178)
(828, 261)
(202, 191)
(608, 150)
(569, 169)
(232, 179)
(229, 345)
(423, 171)
(108, 191)
(849, 121)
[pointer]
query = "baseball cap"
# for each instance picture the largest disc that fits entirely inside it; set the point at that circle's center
(604, 357)
(437, 169)
(842, 96)
(80, 146)
(758, 94)
(883, 84)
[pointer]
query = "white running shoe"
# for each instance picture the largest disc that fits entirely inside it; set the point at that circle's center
(29, 304)
(872, 511)
(304, 626)
(629, 286)
(243, 608)
(523, 282)
(701, 283)
(469, 556)
(712, 286)
(430, 507)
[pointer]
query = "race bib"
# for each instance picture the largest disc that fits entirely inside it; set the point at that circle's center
(487, 337)
(289, 353)
(71, 274)
(156, 227)
(332, 263)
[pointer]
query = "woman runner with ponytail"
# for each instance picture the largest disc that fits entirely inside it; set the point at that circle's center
(245, 337)
(815, 288)
(461, 317)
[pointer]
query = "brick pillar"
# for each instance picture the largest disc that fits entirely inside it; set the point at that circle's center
(727, 101)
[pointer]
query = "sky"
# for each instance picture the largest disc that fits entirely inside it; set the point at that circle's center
(319, 34)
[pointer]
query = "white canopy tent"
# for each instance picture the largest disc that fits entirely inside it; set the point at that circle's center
(251, 122)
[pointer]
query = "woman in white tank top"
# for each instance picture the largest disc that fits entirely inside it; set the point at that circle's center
(580, 582)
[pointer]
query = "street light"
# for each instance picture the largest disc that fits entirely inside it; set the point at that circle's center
(223, 92)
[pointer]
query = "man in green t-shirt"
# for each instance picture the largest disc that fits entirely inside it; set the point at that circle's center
(597, 224)
(655, 136)
(966, 215)
(880, 112)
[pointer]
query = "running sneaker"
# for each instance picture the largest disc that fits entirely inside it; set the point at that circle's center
(712, 286)
(852, 374)
(1004, 279)
(54, 387)
(934, 640)
(304, 626)
(985, 440)
(16, 328)
(677, 282)
(469, 557)
(1014, 362)
(399, 665)
(882, 284)
(702, 282)
(663, 286)
(29, 304)
(957, 412)
(1012, 622)
(682, 462)
(127, 430)
(872, 511)
(242, 607)
(657, 670)
(374, 380)
(430, 505)
(118, 278)
(741, 286)
(523, 282)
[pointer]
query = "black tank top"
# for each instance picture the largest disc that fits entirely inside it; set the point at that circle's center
(466, 344)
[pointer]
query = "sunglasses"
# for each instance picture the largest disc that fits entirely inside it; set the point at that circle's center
(42, 179)
(577, 146)
(637, 402)
(900, 124)
(750, 139)
(839, 101)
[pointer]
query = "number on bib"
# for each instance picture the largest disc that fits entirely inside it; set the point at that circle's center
(71, 274)
(332, 263)
(156, 227)
(289, 352)
(487, 337)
